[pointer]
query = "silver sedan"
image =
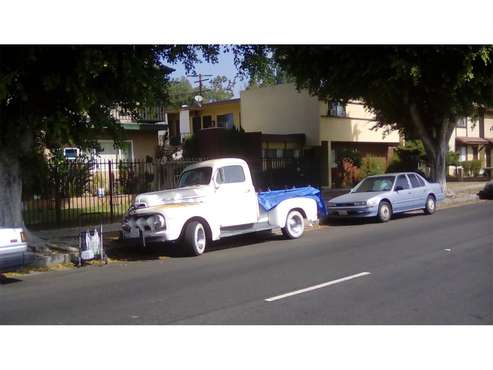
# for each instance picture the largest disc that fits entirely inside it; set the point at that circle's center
(385, 195)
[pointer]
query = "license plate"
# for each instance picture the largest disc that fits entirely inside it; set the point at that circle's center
(343, 213)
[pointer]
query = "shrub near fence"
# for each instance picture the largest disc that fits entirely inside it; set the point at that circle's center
(109, 188)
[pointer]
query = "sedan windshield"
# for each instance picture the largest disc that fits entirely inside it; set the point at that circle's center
(197, 176)
(375, 184)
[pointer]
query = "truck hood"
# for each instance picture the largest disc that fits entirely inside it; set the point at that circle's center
(174, 196)
(356, 197)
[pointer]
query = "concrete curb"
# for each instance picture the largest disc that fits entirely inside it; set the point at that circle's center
(36, 260)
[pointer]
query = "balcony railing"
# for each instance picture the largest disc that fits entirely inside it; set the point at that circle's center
(148, 114)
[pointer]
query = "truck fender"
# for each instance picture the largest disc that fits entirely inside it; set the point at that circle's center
(307, 207)
(212, 228)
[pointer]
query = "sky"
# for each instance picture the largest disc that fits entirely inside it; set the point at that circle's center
(224, 67)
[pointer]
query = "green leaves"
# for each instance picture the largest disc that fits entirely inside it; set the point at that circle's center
(64, 94)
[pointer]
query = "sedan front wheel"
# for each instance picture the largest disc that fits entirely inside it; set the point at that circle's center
(384, 211)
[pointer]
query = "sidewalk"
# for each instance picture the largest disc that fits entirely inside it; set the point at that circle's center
(459, 193)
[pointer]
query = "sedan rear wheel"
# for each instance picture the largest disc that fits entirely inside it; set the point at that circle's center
(431, 205)
(384, 211)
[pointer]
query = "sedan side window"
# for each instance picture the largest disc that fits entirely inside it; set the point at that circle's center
(402, 182)
(415, 181)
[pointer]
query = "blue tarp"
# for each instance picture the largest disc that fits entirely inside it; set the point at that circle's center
(270, 199)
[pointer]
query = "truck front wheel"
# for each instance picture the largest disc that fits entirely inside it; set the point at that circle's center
(194, 238)
(295, 225)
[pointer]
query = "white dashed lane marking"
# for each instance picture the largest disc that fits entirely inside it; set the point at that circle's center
(318, 286)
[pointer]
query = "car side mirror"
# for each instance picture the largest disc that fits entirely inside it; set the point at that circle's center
(398, 187)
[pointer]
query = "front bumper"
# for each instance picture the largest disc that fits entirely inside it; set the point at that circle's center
(348, 212)
(137, 235)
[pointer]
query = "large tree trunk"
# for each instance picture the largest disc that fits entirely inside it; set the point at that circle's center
(10, 190)
(11, 197)
(437, 158)
(435, 137)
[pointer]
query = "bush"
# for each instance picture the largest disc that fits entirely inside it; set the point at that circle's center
(191, 147)
(408, 157)
(372, 166)
(475, 167)
(349, 155)
(452, 159)
(466, 167)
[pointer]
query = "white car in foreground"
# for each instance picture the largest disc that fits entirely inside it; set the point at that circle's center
(217, 199)
(12, 248)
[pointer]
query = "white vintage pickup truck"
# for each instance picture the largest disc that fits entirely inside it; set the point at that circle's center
(217, 199)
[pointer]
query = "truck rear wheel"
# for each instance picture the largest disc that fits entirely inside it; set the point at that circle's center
(194, 238)
(295, 225)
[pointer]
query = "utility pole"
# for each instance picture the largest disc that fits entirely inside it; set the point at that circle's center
(200, 80)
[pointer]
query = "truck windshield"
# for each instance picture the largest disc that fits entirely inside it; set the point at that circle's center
(197, 176)
(375, 184)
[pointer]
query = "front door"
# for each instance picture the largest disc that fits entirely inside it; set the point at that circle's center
(403, 197)
(235, 196)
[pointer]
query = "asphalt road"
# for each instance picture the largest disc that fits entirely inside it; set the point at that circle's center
(413, 270)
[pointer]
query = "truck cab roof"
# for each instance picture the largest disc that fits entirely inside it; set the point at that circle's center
(218, 163)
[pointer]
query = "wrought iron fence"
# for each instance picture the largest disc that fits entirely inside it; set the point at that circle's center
(67, 189)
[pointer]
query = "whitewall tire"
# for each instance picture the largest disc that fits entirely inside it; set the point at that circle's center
(195, 238)
(295, 225)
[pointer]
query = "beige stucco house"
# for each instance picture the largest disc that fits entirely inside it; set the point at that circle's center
(291, 122)
(282, 110)
(473, 139)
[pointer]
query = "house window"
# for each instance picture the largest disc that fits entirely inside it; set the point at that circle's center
(196, 124)
(462, 153)
(288, 153)
(337, 109)
(475, 153)
(110, 153)
(207, 121)
(270, 153)
(462, 123)
(225, 120)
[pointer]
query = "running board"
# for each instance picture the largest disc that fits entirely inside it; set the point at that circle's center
(244, 229)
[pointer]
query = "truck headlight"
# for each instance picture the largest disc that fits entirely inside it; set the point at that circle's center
(360, 203)
(156, 222)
